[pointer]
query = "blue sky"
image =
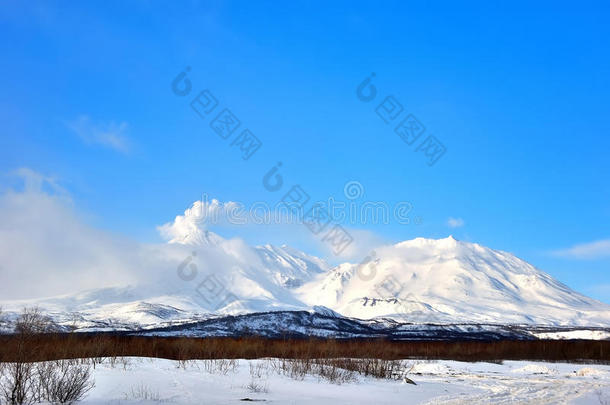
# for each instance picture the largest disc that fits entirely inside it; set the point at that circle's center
(517, 93)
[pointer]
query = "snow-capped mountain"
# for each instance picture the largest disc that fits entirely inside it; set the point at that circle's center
(442, 281)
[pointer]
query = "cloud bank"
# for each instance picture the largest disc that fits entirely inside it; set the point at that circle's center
(46, 249)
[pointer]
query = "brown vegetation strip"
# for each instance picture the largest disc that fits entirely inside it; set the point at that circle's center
(69, 346)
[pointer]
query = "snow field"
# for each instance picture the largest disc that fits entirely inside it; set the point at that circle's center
(153, 381)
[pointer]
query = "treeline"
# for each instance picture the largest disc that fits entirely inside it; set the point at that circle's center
(56, 346)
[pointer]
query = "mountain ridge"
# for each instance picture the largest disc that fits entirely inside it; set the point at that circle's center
(440, 281)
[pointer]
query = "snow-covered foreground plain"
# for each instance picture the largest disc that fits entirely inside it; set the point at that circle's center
(152, 381)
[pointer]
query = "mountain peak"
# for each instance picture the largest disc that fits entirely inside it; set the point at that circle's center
(445, 280)
(448, 242)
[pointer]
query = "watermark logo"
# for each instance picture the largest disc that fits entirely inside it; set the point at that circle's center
(295, 199)
(433, 149)
(187, 270)
(366, 91)
(272, 180)
(317, 218)
(389, 287)
(353, 190)
(204, 103)
(409, 129)
(181, 85)
(214, 294)
(225, 123)
(367, 269)
(338, 238)
(247, 143)
(389, 109)
(211, 291)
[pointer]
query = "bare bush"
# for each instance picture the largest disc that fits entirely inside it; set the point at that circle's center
(142, 392)
(259, 372)
(342, 370)
(259, 369)
(293, 368)
(333, 373)
(327, 369)
(378, 368)
(117, 361)
(18, 382)
(257, 387)
(32, 322)
(184, 364)
(64, 381)
(220, 366)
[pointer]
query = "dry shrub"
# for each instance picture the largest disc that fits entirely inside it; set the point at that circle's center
(18, 382)
(259, 369)
(259, 373)
(142, 392)
(342, 370)
(220, 366)
(64, 381)
(254, 386)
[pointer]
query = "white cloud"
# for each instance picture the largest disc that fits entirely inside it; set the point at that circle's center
(455, 222)
(191, 227)
(44, 246)
(35, 182)
(591, 250)
(46, 249)
(110, 135)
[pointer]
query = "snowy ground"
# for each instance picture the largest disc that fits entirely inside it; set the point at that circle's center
(441, 382)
